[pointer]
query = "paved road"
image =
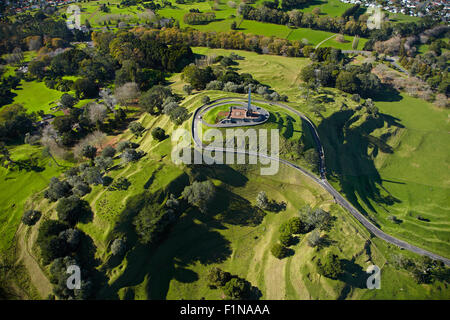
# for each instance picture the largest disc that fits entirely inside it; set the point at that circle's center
(322, 181)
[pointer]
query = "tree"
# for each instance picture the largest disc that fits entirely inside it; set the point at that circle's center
(89, 152)
(205, 99)
(57, 189)
(233, 25)
(92, 175)
(30, 217)
(136, 129)
(286, 239)
(262, 201)
(103, 162)
(97, 113)
(312, 157)
(37, 68)
(152, 100)
(279, 251)
(67, 100)
(130, 155)
(187, 88)
(127, 93)
(217, 277)
(5, 156)
(108, 152)
(314, 238)
(236, 288)
(85, 88)
(71, 209)
(122, 145)
(200, 194)
(159, 133)
(198, 77)
(330, 266)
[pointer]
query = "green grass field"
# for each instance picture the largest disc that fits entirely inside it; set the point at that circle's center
(18, 185)
(236, 237)
(35, 96)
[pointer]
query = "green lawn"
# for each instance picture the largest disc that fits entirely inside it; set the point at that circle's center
(395, 166)
(19, 185)
(35, 96)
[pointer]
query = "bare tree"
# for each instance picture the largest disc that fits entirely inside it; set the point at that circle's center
(97, 112)
(127, 93)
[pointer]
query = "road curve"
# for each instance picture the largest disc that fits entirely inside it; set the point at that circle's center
(322, 181)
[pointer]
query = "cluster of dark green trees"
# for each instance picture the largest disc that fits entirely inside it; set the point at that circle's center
(15, 123)
(424, 270)
(309, 219)
(348, 78)
(234, 287)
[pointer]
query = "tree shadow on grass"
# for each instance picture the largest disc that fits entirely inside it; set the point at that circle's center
(353, 276)
(220, 172)
(188, 244)
(231, 208)
(347, 146)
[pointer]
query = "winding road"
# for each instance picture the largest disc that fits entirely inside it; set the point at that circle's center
(322, 181)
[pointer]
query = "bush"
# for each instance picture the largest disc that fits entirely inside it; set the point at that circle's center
(30, 217)
(108, 152)
(314, 239)
(330, 266)
(71, 209)
(286, 239)
(159, 134)
(200, 194)
(279, 251)
(236, 288)
(122, 145)
(206, 99)
(217, 277)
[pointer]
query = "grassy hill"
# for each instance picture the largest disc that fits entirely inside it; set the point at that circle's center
(383, 155)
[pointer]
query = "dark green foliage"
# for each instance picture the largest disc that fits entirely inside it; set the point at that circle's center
(89, 152)
(286, 239)
(72, 209)
(152, 100)
(67, 101)
(279, 251)
(236, 288)
(330, 266)
(15, 122)
(314, 218)
(159, 133)
(48, 241)
(108, 151)
(86, 88)
(57, 189)
(217, 277)
(153, 218)
(136, 129)
(30, 217)
(198, 77)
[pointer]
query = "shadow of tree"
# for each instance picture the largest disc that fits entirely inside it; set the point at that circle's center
(346, 147)
(353, 276)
